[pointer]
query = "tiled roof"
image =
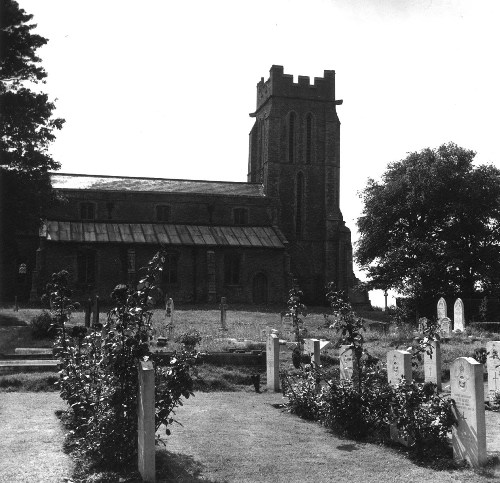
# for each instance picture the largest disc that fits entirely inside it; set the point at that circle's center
(158, 185)
(164, 234)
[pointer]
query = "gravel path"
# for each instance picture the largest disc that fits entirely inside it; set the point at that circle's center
(31, 439)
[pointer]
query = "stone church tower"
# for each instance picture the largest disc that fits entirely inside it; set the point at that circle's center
(295, 154)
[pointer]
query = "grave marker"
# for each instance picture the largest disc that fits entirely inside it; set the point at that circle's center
(445, 327)
(493, 366)
(146, 421)
(398, 365)
(312, 347)
(442, 309)
(348, 364)
(287, 329)
(467, 390)
(223, 308)
(432, 365)
(273, 362)
(458, 315)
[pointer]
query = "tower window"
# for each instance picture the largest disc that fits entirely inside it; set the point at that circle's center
(308, 138)
(240, 216)
(87, 211)
(169, 272)
(299, 208)
(291, 137)
(231, 268)
(163, 213)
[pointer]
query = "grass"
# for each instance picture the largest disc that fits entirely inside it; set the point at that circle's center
(29, 382)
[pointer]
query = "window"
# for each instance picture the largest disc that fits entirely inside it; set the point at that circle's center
(86, 267)
(240, 216)
(299, 202)
(131, 260)
(231, 268)
(162, 213)
(291, 137)
(87, 211)
(308, 138)
(169, 273)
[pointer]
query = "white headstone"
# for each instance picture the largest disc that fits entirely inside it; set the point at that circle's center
(432, 365)
(273, 362)
(493, 367)
(312, 348)
(398, 365)
(146, 421)
(348, 363)
(445, 327)
(467, 390)
(442, 310)
(458, 315)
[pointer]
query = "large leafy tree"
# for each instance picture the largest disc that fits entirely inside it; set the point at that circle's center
(431, 226)
(27, 127)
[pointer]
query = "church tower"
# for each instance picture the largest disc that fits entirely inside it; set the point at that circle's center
(295, 154)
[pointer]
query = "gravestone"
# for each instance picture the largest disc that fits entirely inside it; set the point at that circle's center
(467, 390)
(432, 365)
(398, 365)
(312, 348)
(422, 324)
(442, 309)
(273, 362)
(146, 421)
(223, 309)
(348, 364)
(493, 367)
(445, 327)
(458, 315)
(287, 329)
(96, 311)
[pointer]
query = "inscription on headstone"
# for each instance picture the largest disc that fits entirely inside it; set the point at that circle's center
(493, 367)
(458, 315)
(273, 362)
(398, 366)
(467, 390)
(432, 364)
(442, 310)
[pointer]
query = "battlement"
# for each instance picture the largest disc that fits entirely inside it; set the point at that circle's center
(281, 84)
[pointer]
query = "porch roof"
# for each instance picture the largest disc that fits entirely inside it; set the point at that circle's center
(164, 234)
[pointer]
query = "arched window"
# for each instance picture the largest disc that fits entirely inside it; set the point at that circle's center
(309, 123)
(299, 205)
(291, 137)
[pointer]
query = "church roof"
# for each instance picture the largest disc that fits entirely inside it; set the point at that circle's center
(164, 234)
(158, 185)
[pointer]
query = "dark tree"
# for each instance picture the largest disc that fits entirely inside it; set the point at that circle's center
(431, 226)
(26, 130)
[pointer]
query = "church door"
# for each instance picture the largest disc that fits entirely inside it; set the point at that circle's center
(260, 289)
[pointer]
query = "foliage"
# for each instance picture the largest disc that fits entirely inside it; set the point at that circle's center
(296, 309)
(483, 309)
(190, 339)
(99, 369)
(41, 325)
(431, 225)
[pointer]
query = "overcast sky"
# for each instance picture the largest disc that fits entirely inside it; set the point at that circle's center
(163, 88)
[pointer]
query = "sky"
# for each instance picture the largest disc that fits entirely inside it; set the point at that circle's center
(162, 88)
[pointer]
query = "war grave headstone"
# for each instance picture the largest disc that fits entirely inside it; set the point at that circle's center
(146, 421)
(432, 364)
(442, 309)
(493, 367)
(467, 390)
(348, 365)
(312, 348)
(273, 362)
(223, 313)
(398, 366)
(458, 315)
(287, 329)
(445, 328)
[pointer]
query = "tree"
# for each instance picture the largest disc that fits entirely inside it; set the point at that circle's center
(431, 226)
(26, 130)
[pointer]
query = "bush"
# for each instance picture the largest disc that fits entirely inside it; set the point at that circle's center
(41, 325)
(189, 339)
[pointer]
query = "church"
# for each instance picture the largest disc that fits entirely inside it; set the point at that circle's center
(239, 240)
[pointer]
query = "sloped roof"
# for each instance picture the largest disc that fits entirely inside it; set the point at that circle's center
(158, 185)
(164, 234)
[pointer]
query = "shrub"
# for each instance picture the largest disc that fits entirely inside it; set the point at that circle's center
(41, 325)
(302, 394)
(189, 339)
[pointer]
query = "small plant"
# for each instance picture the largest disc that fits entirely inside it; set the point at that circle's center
(41, 325)
(189, 339)
(295, 308)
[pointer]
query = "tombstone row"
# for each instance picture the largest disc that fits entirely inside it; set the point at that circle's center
(458, 316)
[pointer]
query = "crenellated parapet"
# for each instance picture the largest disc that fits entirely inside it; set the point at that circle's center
(281, 84)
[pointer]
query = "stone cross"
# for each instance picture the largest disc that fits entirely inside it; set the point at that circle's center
(273, 362)
(146, 421)
(223, 309)
(445, 327)
(312, 347)
(398, 366)
(493, 367)
(458, 315)
(432, 365)
(467, 390)
(442, 310)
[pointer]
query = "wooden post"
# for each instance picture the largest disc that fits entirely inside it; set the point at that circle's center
(146, 421)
